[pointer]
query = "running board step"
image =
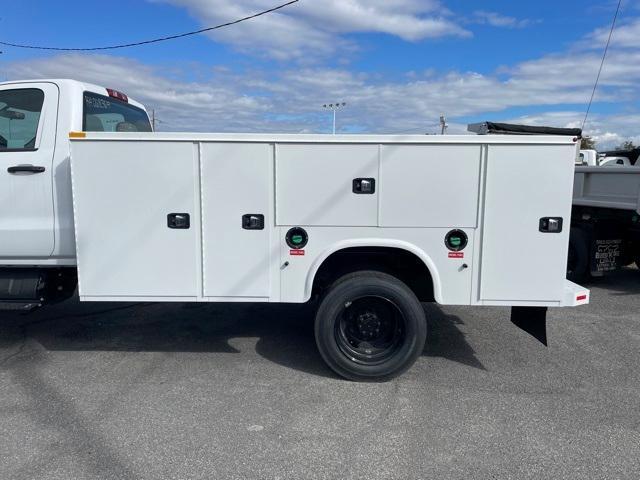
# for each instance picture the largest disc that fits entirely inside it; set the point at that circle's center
(21, 285)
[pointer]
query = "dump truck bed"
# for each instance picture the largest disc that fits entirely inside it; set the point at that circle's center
(607, 187)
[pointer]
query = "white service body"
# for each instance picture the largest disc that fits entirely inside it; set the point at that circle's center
(494, 188)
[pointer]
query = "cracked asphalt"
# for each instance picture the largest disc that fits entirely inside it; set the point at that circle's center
(192, 391)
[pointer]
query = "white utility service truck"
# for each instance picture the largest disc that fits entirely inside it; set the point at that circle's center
(368, 225)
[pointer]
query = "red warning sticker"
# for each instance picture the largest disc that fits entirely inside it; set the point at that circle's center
(456, 254)
(296, 252)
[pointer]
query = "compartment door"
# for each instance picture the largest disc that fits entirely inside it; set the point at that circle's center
(429, 185)
(237, 181)
(315, 185)
(523, 185)
(123, 193)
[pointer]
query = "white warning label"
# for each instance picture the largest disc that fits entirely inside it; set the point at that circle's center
(607, 255)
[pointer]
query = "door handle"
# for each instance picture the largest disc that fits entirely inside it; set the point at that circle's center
(178, 220)
(550, 225)
(25, 169)
(364, 185)
(253, 221)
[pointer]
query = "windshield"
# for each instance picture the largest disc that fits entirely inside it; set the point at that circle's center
(106, 114)
(19, 117)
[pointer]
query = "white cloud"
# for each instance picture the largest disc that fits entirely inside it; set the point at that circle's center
(625, 35)
(608, 131)
(495, 19)
(316, 28)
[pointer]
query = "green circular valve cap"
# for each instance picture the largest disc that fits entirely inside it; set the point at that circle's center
(297, 238)
(456, 240)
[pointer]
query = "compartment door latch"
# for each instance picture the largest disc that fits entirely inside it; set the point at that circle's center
(178, 220)
(551, 224)
(364, 185)
(253, 221)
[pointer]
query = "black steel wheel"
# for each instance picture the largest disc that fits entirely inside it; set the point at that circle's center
(370, 326)
(369, 329)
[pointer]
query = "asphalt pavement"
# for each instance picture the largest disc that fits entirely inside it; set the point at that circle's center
(230, 391)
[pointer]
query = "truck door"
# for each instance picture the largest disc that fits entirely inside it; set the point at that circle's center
(28, 114)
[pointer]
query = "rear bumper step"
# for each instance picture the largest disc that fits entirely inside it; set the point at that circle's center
(574, 295)
(533, 320)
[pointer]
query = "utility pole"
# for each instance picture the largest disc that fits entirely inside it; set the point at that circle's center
(334, 107)
(443, 124)
(154, 120)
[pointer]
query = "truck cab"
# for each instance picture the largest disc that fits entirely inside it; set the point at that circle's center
(587, 158)
(615, 162)
(36, 211)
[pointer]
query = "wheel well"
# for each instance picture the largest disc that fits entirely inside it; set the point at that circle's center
(400, 263)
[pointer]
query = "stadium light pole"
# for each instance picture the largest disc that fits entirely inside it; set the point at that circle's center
(443, 124)
(334, 107)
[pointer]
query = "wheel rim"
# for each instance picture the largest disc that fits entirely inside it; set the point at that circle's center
(370, 329)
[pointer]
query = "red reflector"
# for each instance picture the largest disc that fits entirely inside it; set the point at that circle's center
(118, 95)
(581, 297)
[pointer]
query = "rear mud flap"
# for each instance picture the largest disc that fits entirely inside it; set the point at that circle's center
(532, 320)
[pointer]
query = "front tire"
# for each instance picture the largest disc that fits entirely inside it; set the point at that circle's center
(370, 327)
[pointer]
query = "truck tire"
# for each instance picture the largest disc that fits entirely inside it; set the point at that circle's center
(578, 261)
(370, 327)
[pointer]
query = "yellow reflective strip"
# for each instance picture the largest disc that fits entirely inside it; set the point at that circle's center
(77, 134)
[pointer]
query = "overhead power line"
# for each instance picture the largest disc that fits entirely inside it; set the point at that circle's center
(155, 40)
(604, 56)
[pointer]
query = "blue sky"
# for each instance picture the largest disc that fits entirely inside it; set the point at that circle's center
(398, 64)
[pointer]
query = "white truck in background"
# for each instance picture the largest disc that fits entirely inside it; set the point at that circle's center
(615, 162)
(587, 158)
(369, 225)
(591, 158)
(605, 218)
